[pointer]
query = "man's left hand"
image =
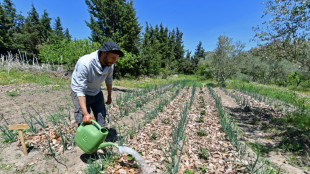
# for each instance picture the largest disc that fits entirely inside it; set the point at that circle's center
(109, 101)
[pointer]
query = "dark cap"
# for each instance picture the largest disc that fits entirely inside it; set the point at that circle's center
(111, 47)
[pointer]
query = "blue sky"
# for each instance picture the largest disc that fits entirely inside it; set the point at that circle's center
(199, 20)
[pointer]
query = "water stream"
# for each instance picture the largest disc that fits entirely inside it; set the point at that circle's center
(141, 161)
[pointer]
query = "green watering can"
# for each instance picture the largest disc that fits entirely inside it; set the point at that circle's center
(91, 137)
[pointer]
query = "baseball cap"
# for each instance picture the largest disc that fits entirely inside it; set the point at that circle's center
(112, 47)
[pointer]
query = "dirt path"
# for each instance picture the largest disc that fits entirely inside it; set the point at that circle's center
(254, 134)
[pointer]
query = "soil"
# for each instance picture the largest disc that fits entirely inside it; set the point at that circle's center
(33, 99)
(20, 101)
(251, 130)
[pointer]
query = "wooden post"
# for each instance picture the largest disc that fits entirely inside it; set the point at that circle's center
(20, 128)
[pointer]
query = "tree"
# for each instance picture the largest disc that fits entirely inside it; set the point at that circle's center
(8, 21)
(114, 20)
(223, 59)
(67, 35)
(150, 57)
(187, 64)
(58, 30)
(287, 30)
(178, 49)
(199, 53)
(30, 32)
(45, 23)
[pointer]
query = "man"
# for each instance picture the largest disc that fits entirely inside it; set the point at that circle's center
(89, 73)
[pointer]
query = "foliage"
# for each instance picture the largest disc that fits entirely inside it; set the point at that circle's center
(287, 30)
(18, 77)
(26, 34)
(7, 135)
(199, 53)
(114, 20)
(66, 52)
(274, 92)
(161, 51)
(126, 66)
(225, 58)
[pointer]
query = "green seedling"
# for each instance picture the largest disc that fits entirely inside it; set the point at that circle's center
(202, 105)
(203, 112)
(203, 154)
(199, 119)
(13, 93)
(201, 133)
(165, 120)
(130, 157)
(131, 132)
(153, 136)
(204, 169)
(188, 172)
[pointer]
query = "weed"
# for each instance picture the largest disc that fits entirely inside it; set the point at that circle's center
(131, 132)
(260, 149)
(13, 93)
(135, 165)
(188, 172)
(153, 136)
(202, 105)
(2, 166)
(165, 120)
(199, 119)
(203, 154)
(130, 157)
(201, 133)
(201, 98)
(203, 112)
(204, 169)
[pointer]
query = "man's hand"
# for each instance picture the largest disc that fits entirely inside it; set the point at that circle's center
(109, 101)
(87, 118)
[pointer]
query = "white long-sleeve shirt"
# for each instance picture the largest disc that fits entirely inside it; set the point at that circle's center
(89, 74)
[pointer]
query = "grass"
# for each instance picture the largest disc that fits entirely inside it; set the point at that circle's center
(258, 148)
(13, 93)
(148, 82)
(203, 154)
(273, 92)
(22, 77)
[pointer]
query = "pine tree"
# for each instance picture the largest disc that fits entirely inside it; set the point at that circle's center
(114, 20)
(164, 46)
(8, 26)
(3, 31)
(179, 48)
(67, 35)
(30, 32)
(150, 57)
(171, 53)
(45, 23)
(58, 30)
(199, 53)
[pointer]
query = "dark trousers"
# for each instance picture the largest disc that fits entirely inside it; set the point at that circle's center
(94, 103)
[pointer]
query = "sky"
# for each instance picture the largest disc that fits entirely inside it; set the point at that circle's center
(198, 20)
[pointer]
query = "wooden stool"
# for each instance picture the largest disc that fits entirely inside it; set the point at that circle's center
(20, 128)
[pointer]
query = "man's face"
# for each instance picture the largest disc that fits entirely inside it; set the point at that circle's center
(110, 58)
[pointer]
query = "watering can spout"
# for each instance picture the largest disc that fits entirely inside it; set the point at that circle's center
(105, 144)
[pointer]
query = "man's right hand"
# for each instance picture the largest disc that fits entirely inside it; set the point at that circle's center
(87, 118)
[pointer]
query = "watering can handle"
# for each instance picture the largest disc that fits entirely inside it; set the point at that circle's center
(94, 122)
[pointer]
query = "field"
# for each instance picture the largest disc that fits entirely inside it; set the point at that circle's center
(178, 125)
